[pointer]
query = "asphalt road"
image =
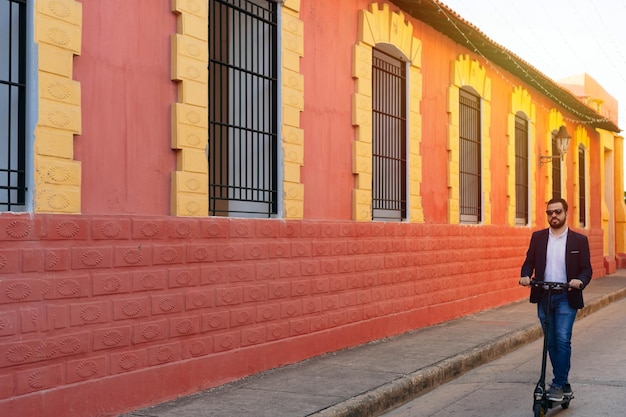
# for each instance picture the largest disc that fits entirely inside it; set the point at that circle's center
(504, 387)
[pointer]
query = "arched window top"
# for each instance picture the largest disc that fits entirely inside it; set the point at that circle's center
(471, 90)
(391, 50)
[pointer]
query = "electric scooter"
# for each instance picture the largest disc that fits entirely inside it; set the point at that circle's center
(541, 404)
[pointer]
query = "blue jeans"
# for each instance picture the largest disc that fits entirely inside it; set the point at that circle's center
(561, 322)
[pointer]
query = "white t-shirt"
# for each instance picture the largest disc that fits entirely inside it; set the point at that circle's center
(555, 258)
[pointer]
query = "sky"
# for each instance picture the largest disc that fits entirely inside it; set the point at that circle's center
(559, 37)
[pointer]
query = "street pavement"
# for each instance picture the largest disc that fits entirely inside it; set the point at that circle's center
(504, 387)
(377, 377)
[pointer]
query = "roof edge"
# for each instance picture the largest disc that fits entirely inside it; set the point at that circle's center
(449, 23)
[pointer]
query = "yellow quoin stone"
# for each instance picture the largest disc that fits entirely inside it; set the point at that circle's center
(376, 25)
(189, 184)
(51, 142)
(57, 179)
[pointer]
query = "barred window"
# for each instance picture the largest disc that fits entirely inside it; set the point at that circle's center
(556, 172)
(470, 164)
(12, 105)
(582, 187)
(389, 174)
(243, 103)
(521, 169)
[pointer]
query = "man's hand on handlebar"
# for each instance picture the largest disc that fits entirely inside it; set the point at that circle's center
(524, 281)
(575, 283)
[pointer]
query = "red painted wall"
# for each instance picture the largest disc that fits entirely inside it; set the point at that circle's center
(327, 116)
(124, 71)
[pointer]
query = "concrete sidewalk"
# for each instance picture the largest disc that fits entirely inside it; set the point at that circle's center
(370, 379)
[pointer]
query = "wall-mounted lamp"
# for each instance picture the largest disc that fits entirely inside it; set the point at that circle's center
(561, 139)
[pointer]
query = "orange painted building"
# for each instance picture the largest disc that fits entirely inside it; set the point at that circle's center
(195, 191)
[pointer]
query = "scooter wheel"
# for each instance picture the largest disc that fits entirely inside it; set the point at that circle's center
(538, 410)
(565, 404)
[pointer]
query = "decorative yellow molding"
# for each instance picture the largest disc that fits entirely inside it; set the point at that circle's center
(521, 101)
(190, 118)
(581, 138)
(57, 179)
(468, 72)
(380, 25)
(292, 134)
(189, 49)
(620, 206)
(555, 121)
(607, 181)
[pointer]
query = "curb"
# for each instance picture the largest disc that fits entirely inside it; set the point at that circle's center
(408, 387)
(601, 302)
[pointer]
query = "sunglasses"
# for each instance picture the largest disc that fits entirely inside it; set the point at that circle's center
(551, 212)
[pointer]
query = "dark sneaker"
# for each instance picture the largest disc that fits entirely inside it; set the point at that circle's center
(567, 390)
(555, 394)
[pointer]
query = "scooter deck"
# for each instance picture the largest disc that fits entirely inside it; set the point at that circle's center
(566, 397)
(564, 403)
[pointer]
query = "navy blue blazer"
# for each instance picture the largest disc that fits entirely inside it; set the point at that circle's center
(577, 263)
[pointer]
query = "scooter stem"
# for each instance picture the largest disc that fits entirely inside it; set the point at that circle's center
(546, 329)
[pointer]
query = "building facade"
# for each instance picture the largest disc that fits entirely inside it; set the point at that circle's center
(193, 191)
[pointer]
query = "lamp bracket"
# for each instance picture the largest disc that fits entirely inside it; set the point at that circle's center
(561, 139)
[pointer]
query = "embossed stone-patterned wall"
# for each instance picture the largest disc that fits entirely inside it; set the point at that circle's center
(92, 304)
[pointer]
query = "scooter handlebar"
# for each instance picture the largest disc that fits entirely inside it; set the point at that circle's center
(548, 285)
